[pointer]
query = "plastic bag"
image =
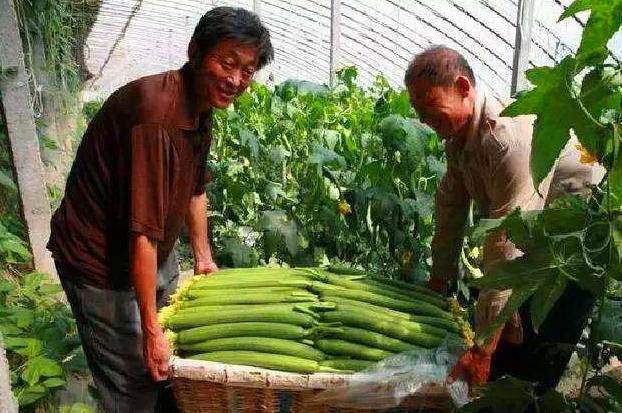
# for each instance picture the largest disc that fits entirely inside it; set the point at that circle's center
(390, 382)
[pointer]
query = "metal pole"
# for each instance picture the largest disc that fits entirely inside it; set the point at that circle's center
(335, 36)
(524, 24)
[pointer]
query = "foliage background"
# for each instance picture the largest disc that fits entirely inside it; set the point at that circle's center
(302, 174)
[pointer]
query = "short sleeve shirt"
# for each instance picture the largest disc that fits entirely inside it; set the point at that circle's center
(140, 162)
(491, 166)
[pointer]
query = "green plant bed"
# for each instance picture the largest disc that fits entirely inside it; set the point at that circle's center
(40, 337)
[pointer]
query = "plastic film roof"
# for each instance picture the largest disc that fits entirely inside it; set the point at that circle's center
(133, 38)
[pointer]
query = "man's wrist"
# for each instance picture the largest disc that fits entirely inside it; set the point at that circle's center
(151, 327)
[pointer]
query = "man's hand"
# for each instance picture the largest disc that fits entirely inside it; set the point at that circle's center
(206, 267)
(474, 365)
(156, 353)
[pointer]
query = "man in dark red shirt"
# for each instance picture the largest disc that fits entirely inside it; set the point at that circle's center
(138, 176)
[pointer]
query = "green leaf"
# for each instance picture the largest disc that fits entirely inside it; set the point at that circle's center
(241, 255)
(545, 298)
(506, 395)
(553, 402)
(77, 408)
(557, 113)
(519, 296)
(610, 327)
(605, 20)
(51, 289)
(53, 382)
(278, 225)
(6, 286)
(34, 280)
(7, 182)
(40, 366)
(322, 156)
(249, 140)
(30, 394)
(527, 271)
(22, 317)
(404, 136)
(436, 166)
(609, 384)
(7, 328)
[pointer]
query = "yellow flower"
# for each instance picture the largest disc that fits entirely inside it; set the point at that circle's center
(344, 207)
(586, 157)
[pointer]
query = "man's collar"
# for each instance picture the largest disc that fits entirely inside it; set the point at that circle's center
(473, 136)
(185, 114)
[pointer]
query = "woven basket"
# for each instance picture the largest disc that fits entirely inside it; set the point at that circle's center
(208, 387)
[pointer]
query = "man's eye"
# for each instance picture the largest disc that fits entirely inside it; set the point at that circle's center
(249, 72)
(227, 64)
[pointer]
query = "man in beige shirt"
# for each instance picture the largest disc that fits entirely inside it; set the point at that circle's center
(488, 163)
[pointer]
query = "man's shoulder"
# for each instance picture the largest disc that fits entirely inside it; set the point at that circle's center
(502, 133)
(148, 99)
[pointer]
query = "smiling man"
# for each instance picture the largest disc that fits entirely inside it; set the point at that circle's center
(138, 176)
(488, 163)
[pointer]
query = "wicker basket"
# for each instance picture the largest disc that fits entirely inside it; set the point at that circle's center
(208, 387)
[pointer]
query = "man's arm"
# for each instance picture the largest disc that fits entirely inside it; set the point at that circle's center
(452, 206)
(143, 274)
(508, 155)
(197, 223)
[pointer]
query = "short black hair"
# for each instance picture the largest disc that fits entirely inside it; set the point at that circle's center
(221, 23)
(438, 65)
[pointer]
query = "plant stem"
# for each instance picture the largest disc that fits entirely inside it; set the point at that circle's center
(610, 218)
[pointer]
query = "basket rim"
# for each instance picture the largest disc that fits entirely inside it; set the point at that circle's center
(248, 376)
(256, 377)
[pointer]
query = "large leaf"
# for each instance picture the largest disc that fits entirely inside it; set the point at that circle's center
(322, 156)
(517, 299)
(545, 298)
(31, 394)
(280, 227)
(53, 382)
(40, 366)
(605, 20)
(404, 136)
(249, 140)
(557, 112)
(506, 395)
(610, 327)
(609, 384)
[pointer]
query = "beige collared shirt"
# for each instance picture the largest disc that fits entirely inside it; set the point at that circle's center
(491, 167)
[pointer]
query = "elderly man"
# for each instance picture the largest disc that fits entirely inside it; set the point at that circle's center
(488, 162)
(138, 176)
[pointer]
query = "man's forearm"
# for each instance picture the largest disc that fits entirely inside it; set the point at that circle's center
(198, 229)
(144, 278)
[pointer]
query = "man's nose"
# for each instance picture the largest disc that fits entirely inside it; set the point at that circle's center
(235, 79)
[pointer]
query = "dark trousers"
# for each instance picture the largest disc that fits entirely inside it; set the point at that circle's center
(110, 331)
(543, 356)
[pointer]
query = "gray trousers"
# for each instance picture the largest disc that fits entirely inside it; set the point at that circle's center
(110, 330)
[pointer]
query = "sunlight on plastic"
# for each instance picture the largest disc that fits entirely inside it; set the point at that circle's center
(391, 381)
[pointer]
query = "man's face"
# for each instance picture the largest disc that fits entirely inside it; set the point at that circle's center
(446, 109)
(225, 72)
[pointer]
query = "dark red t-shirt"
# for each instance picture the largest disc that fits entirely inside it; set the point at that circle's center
(140, 162)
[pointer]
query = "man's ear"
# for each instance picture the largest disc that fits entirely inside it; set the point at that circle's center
(193, 51)
(464, 86)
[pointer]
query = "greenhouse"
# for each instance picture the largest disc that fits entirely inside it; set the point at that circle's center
(310, 206)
